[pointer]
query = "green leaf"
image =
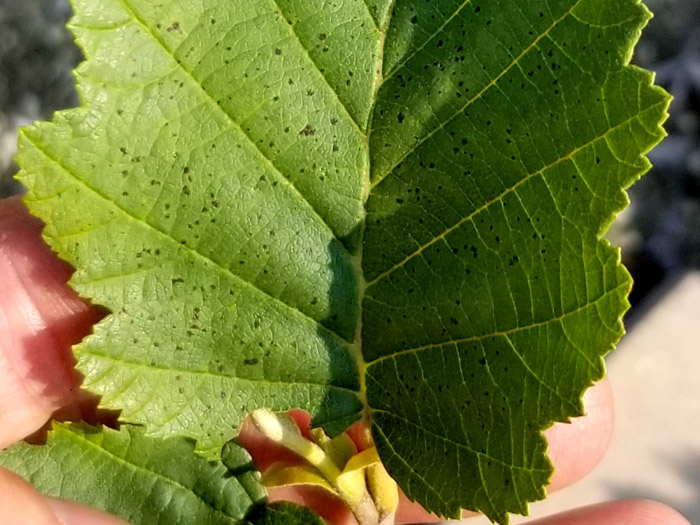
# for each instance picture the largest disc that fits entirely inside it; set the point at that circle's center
(498, 161)
(371, 206)
(286, 514)
(228, 287)
(143, 480)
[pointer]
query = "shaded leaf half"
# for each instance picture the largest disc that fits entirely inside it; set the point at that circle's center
(503, 137)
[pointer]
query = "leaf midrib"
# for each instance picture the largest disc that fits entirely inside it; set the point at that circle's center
(367, 188)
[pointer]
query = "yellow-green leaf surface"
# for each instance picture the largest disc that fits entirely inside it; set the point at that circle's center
(388, 208)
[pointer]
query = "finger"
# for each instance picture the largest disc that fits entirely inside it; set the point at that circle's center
(574, 448)
(70, 513)
(40, 318)
(618, 513)
(20, 503)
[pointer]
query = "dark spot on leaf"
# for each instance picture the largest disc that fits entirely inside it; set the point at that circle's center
(308, 131)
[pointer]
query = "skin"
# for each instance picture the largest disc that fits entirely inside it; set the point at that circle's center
(41, 317)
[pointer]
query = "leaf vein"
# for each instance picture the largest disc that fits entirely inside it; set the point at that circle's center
(375, 22)
(503, 333)
(452, 442)
(207, 260)
(207, 373)
(500, 196)
(481, 93)
(230, 119)
(406, 463)
(536, 375)
(151, 473)
(289, 23)
(428, 40)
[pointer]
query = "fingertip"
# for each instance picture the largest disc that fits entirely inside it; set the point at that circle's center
(40, 319)
(70, 513)
(576, 448)
(411, 512)
(20, 503)
(632, 512)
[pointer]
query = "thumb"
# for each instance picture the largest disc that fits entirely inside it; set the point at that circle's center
(20, 503)
(40, 318)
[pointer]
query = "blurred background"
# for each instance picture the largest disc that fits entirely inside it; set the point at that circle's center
(659, 234)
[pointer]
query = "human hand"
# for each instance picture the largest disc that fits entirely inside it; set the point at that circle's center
(41, 317)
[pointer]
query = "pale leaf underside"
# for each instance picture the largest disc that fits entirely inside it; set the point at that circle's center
(394, 206)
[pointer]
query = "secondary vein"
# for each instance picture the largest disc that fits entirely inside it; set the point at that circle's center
(169, 481)
(290, 24)
(427, 41)
(504, 333)
(500, 196)
(479, 95)
(231, 120)
(207, 260)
